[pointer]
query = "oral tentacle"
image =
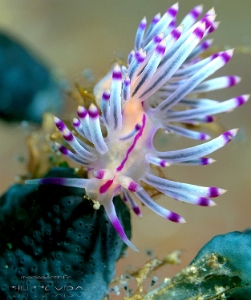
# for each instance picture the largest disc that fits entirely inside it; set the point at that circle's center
(111, 213)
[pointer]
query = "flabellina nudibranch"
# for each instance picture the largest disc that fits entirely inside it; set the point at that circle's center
(164, 72)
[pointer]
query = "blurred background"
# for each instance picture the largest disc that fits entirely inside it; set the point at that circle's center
(79, 40)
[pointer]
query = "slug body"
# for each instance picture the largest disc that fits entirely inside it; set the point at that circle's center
(164, 68)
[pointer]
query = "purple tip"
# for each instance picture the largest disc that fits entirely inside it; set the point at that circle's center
(133, 187)
(125, 199)
(228, 136)
(138, 126)
(175, 217)
(172, 11)
(163, 163)
(204, 161)
(57, 181)
(142, 25)
(68, 136)
(118, 228)
(212, 28)
(205, 45)
(209, 119)
(106, 96)
(215, 55)
(60, 125)
(117, 75)
(99, 174)
(156, 19)
(214, 192)
(240, 100)
(231, 80)
(139, 57)
(160, 49)
(63, 150)
(207, 22)
(195, 13)
(158, 38)
(226, 57)
(93, 112)
(199, 32)
(127, 81)
(172, 24)
(203, 136)
(76, 122)
(203, 202)
(82, 112)
(176, 33)
(137, 211)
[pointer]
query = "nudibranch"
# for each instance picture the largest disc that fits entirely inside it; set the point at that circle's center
(165, 73)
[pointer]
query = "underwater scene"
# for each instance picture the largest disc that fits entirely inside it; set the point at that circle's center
(125, 149)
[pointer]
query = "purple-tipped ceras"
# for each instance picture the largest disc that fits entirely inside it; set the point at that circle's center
(164, 68)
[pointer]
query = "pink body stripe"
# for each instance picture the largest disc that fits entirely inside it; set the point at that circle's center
(105, 186)
(138, 135)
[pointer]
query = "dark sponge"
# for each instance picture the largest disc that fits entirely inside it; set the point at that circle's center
(54, 233)
(235, 248)
(27, 87)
